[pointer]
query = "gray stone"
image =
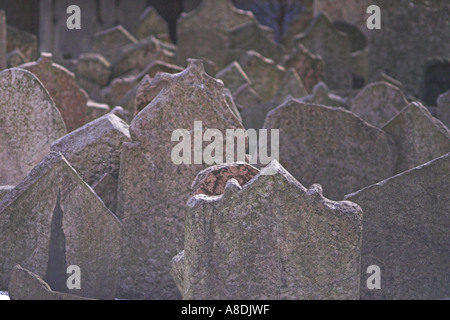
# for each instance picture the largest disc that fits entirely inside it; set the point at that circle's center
(233, 76)
(3, 41)
(93, 67)
(322, 38)
(154, 189)
(95, 148)
(291, 85)
(264, 73)
(246, 97)
(26, 42)
(109, 42)
(323, 96)
(150, 23)
(405, 232)
(106, 189)
(254, 117)
(443, 111)
(25, 285)
(418, 135)
(52, 220)
(95, 110)
(27, 132)
(4, 190)
(378, 103)
(270, 239)
(15, 58)
(332, 147)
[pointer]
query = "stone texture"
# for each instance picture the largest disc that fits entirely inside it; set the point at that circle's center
(106, 189)
(290, 86)
(108, 42)
(323, 96)
(25, 285)
(322, 38)
(15, 58)
(254, 117)
(310, 67)
(233, 76)
(271, 239)
(332, 147)
(212, 181)
(418, 135)
(378, 103)
(155, 190)
(27, 132)
(3, 41)
(443, 111)
(95, 110)
(26, 42)
(95, 148)
(93, 71)
(246, 97)
(4, 190)
(51, 220)
(150, 23)
(405, 232)
(264, 73)
(69, 98)
(360, 68)
(299, 23)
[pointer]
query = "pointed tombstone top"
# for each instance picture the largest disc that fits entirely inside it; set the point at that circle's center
(378, 103)
(291, 85)
(233, 76)
(108, 42)
(151, 23)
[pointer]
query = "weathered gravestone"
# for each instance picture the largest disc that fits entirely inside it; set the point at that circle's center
(151, 23)
(246, 97)
(322, 38)
(444, 108)
(4, 190)
(109, 42)
(233, 76)
(26, 42)
(332, 147)
(106, 189)
(270, 239)
(93, 72)
(52, 220)
(15, 58)
(29, 123)
(405, 233)
(378, 103)
(419, 136)
(95, 110)
(310, 67)
(323, 96)
(69, 98)
(290, 86)
(153, 190)
(25, 285)
(95, 148)
(3, 41)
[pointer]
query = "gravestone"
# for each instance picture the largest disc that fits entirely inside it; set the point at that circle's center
(26, 42)
(154, 189)
(233, 76)
(246, 97)
(106, 189)
(323, 96)
(291, 85)
(444, 108)
(265, 75)
(4, 190)
(95, 110)
(95, 148)
(271, 239)
(151, 23)
(418, 135)
(15, 58)
(378, 103)
(52, 220)
(310, 67)
(30, 122)
(69, 98)
(109, 42)
(405, 233)
(93, 72)
(3, 41)
(332, 147)
(322, 38)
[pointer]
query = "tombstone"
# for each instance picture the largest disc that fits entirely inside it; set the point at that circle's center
(444, 108)
(265, 75)
(254, 116)
(15, 58)
(322, 38)
(202, 33)
(212, 181)
(246, 97)
(298, 24)
(4, 190)
(271, 239)
(25, 285)
(427, 22)
(418, 135)
(110, 41)
(61, 84)
(357, 38)
(95, 148)
(332, 147)
(310, 67)
(405, 233)
(378, 103)
(95, 110)
(27, 132)
(26, 42)
(3, 41)
(323, 96)
(360, 68)
(93, 72)
(436, 80)
(106, 189)
(151, 23)
(291, 85)
(152, 188)
(233, 76)
(69, 225)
